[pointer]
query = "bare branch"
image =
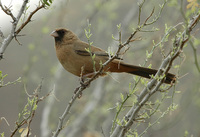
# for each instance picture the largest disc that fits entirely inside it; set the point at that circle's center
(3, 118)
(29, 18)
(153, 85)
(79, 123)
(195, 56)
(29, 111)
(77, 93)
(145, 22)
(85, 84)
(13, 33)
(1, 34)
(47, 110)
(7, 11)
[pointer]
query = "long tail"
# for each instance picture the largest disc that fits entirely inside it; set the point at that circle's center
(144, 72)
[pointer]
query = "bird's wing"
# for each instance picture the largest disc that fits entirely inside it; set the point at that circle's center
(81, 50)
(97, 53)
(86, 53)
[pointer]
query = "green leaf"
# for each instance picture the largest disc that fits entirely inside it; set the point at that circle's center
(2, 134)
(119, 26)
(29, 101)
(90, 34)
(166, 38)
(186, 133)
(86, 31)
(35, 107)
(118, 122)
(125, 121)
(93, 56)
(177, 92)
(150, 65)
(27, 7)
(87, 49)
(4, 76)
(148, 55)
(122, 96)
(113, 37)
(19, 115)
(100, 63)
(46, 3)
(118, 106)
(91, 43)
(177, 66)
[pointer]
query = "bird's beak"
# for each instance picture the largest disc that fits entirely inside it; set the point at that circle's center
(54, 34)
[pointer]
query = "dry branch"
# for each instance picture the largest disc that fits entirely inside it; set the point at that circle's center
(85, 84)
(14, 31)
(153, 86)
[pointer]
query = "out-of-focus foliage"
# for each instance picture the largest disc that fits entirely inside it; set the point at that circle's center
(179, 107)
(193, 4)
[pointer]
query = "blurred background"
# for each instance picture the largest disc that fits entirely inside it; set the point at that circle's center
(35, 61)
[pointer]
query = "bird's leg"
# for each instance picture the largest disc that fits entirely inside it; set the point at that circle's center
(89, 75)
(84, 79)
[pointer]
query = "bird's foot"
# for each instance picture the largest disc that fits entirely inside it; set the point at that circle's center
(84, 82)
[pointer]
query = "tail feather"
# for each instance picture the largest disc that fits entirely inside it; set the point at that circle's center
(144, 72)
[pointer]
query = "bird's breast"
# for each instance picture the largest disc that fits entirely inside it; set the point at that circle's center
(77, 64)
(67, 58)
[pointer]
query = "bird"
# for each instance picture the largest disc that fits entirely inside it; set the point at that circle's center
(72, 54)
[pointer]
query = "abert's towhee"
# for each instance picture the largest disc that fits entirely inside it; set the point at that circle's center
(72, 54)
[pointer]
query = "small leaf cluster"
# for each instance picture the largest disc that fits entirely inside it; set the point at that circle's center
(47, 2)
(2, 77)
(26, 115)
(88, 34)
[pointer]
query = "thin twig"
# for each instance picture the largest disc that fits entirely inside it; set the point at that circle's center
(47, 109)
(3, 118)
(13, 33)
(145, 22)
(195, 56)
(29, 18)
(7, 11)
(140, 10)
(1, 35)
(153, 85)
(34, 102)
(85, 84)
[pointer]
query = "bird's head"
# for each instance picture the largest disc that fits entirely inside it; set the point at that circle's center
(62, 35)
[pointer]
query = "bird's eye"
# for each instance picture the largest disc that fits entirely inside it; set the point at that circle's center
(61, 32)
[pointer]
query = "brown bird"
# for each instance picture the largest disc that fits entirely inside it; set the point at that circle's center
(72, 54)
